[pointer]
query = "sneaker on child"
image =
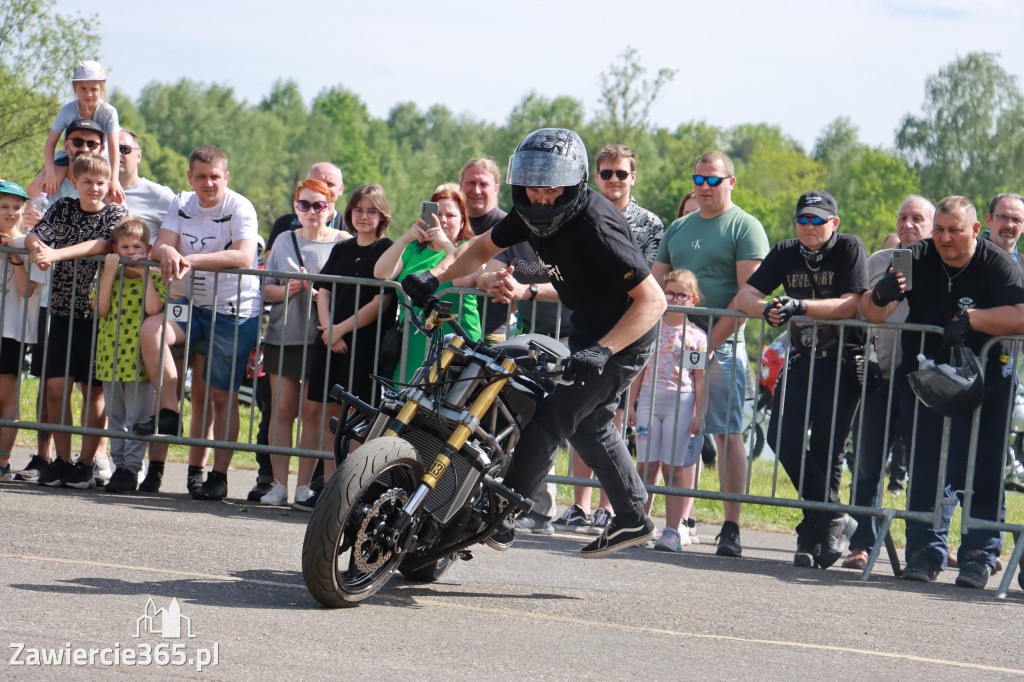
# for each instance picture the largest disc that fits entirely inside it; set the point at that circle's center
(598, 521)
(573, 519)
(80, 476)
(277, 496)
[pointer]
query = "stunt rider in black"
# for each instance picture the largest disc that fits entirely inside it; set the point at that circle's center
(595, 266)
(824, 274)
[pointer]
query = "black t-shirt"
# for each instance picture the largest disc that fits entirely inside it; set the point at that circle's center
(481, 224)
(592, 262)
(348, 259)
(989, 280)
(290, 221)
(842, 271)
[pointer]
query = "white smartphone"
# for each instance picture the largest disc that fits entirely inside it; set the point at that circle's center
(902, 262)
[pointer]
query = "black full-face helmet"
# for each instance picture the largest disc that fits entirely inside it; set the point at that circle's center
(549, 157)
(954, 389)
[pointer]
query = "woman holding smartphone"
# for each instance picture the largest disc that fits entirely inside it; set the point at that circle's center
(420, 249)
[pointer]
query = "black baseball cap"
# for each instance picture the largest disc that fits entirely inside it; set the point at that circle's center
(821, 204)
(84, 124)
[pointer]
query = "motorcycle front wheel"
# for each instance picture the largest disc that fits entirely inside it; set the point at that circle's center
(343, 558)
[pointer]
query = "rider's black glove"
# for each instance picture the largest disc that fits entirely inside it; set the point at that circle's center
(420, 287)
(887, 290)
(587, 363)
(956, 330)
(788, 307)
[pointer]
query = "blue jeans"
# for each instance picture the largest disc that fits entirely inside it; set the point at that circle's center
(988, 470)
(582, 413)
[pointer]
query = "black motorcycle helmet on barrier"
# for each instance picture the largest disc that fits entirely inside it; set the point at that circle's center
(952, 390)
(549, 157)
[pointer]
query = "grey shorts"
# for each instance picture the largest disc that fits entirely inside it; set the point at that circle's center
(727, 388)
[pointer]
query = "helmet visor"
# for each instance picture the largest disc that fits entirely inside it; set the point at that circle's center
(543, 169)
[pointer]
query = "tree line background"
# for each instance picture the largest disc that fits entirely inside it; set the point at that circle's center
(968, 138)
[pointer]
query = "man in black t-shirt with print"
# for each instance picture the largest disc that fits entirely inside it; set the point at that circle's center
(823, 274)
(592, 260)
(968, 286)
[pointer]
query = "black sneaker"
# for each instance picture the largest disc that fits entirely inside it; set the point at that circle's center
(262, 487)
(975, 571)
(154, 477)
(215, 487)
(308, 504)
(807, 552)
(537, 524)
(616, 537)
(728, 540)
(837, 541)
(503, 537)
(194, 479)
(573, 519)
(80, 476)
(920, 569)
(168, 422)
(55, 473)
(122, 481)
(36, 466)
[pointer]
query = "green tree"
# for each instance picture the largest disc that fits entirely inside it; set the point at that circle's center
(38, 51)
(869, 184)
(969, 139)
(627, 96)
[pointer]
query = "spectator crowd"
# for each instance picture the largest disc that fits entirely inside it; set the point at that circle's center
(115, 331)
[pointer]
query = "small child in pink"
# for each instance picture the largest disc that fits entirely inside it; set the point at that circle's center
(668, 440)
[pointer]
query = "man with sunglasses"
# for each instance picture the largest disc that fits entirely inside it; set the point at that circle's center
(723, 245)
(144, 198)
(83, 136)
(823, 274)
(209, 229)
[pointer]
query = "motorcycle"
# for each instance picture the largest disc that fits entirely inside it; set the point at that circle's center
(424, 487)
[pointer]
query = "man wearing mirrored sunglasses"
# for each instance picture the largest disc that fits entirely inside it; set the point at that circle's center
(723, 245)
(144, 198)
(1005, 220)
(823, 274)
(83, 136)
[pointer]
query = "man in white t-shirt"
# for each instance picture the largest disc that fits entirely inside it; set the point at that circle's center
(209, 229)
(143, 198)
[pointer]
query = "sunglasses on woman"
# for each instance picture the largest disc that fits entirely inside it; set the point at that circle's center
(316, 206)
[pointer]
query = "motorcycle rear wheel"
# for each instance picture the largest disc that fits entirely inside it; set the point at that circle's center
(342, 560)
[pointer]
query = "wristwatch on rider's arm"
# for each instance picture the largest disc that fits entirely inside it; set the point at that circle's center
(534, 290)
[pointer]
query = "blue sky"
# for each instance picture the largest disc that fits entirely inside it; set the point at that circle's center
(792, 63)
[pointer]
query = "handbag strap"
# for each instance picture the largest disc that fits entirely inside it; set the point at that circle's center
(298, 252)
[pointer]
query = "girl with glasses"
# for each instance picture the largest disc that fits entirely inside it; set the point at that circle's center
(669, 404)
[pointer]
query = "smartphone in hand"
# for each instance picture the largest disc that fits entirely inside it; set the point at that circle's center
(902, 262)
(428, 211)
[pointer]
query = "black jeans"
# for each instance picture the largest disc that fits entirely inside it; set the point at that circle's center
(822, 466)
(582, 413)
(872, 445)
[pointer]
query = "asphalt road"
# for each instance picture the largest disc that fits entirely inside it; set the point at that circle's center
(79, 568)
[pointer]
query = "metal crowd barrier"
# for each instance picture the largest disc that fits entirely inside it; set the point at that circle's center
(885, 515)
